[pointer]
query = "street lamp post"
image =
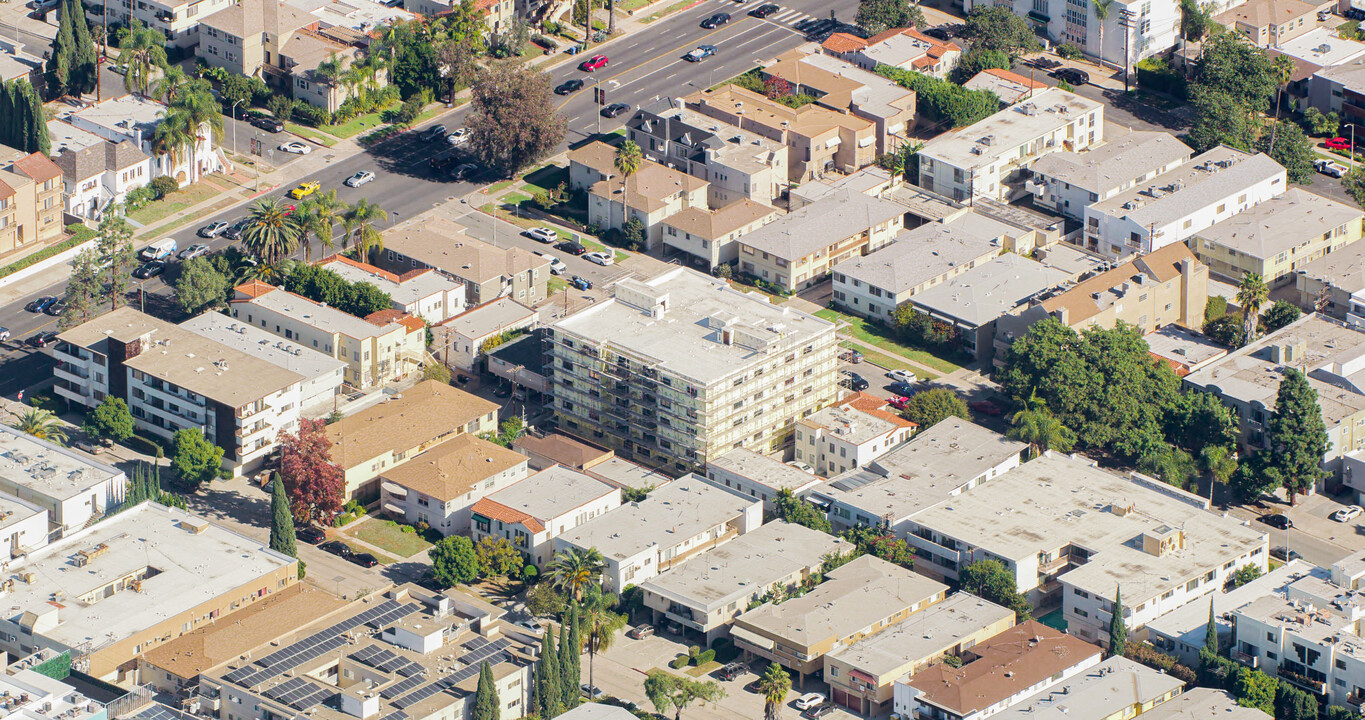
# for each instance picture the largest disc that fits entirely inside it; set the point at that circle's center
(234, 125)
(1353, 140)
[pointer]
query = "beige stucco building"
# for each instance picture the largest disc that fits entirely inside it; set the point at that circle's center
(649, 195)
(30, 201)
(1277, 237)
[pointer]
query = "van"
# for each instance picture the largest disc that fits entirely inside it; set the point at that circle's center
(160, 250)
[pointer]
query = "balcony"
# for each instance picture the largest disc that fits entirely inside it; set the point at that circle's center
(1287, 673)
(69, 374)
(1247, 659)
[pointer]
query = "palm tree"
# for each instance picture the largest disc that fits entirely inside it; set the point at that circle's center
(628, 162)
(172, 82)
(1282, 69)
(1251, 295)
(141, 53)
(774, 686)
(1102, 9)
(331, 68)
(1042, 431)
(599, 624)
(271, 232)
(41, 424)
(359, 220)
(573, 570)
(204, 116)
(1220, 462)
(173, 137)
(318, 218)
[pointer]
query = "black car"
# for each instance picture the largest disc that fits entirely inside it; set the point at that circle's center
(732, 671)
(363, 559)
(853, 381)
(149, 270)
(569, 86)
(235, 232)
(581, 283)
(1277, 521)
(56, 309)
(268, 124)
(41, 304)
(904, 389)
(337, 548)
(1072, 76)
(614, 109)
(715, 21)
(1285, 554)
(572, 247)
(939, 33)
(763, 11)
(42, 339)
(310, 534)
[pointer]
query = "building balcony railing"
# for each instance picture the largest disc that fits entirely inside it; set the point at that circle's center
(65, 373)
(1247, 659)
(1286, 673)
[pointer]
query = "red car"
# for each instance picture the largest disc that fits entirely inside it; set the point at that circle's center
(898, 402)
(596, 62)
(985, 407)
(1338, 143)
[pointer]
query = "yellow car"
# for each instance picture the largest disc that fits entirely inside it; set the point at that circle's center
(304, 190)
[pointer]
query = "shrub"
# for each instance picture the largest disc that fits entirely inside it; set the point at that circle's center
(354, 507)
(1069, 51)
(343, 519)
(1156, 73)
(529, 573)
(312, 115)
(77, 238)
(408, 529)
(139, 197)
(679, 662)
(407, 112)
(704, 657)
(163, 186)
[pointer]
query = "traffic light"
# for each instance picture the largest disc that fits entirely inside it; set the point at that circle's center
(599, 94)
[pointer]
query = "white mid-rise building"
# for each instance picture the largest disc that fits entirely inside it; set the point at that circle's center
(1069, 182)
(760, 476)
(850, 434)
(73, 489)
(533, 512)
(421, 292)
(1133, 29)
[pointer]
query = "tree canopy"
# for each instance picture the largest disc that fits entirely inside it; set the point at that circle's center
(513, 121)
(991, 580)
(110, 419)
(194, 458)
(454, 561)
(875, 16)
(1297, 436)
(998, 28)
(929, 407)
(315, 486)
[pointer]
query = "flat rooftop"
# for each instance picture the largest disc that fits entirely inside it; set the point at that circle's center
(47, 469)
(827, 221)
(1177, 345)
(626, 474)
(924, 634)
(853, 597)
(1343, 269)
(1055, 501)
(405, 289)
(14, 511)
(849, 424)
(685, 340)
(315, 314)
(764, 470)
(929, 251)
(272, 348)
(1214, 176)
(1046, 112)
(1190, 621)
(124, 114)
(1200, 703)
(1321, 47)
(981, 295)
(29, 695)
(490, 318)
(671, 514)
(1115, 685)
(63, 135)
(746, 566)
(548, 494)
(1280, 224)
(195, 561)
(1124, 157)
(1331, 354)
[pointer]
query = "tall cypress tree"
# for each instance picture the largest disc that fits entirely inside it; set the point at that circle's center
(1118, 632)
(84, 64)
(568, 688)
(29, 122)
(573, 673)
(549, 698)
(1211, 632)
(282, 537)
(9, 119)
(62, 54)
(486, 703)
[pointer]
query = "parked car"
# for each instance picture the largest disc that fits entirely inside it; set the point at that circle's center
(459, 137)
(295, 147)
(1338, 143)
(1323, 15)
(572, 247)
(56, 309)
(543, 234)
(162, 249)
(360, 178)
(305, 189)
(42, 339)
(640, 632)
(902, 388)
(363, 559)
(939, 33)
(337, 548)
(149, 269)
(614, 109)
(594, 63)
(818, 711)
(581, 283)
(763, 11)
(802, 466)
(235, 232)
(591, 692)
(1277, 521)
(568, 87)
(94, 446)
(41, 304)
(809, 700)
(196, 249)
(851, 356)
(311, 535)
(1347, 514)
(433, 133)
(4, 334)
(268, 124)
(600, 258)
(1330, 168)
(898, 401)
(1284, 554)
(732, 671)
(715, 21)
(985, 407)
(902, 376)
(1072, 76)
(700, 53)
(557, 266)
(853, 381)
(212, 230)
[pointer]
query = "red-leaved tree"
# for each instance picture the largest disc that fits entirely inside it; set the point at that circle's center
(776, 88)
(315, 486)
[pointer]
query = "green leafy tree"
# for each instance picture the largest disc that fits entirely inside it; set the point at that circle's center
(1354, 183)
(282, 534)
(1042, 431)
(774, 685)
(575, 570)
(978, 59)
(931, 406)
(1216, 307)
(1219, 462)
(508, 431)
(42, 424)
(1244, 575)
(1297, 435)
(360, 222)
(436, 371)
(998, 28)
(1287, 145)
(543, 600)
(1338, 712)
(487, 706)
(549, 695)
(1292, 703)
(1280, 315)
(200, 286)
(114, 253)
(195, 459)
(1255, 689)
(497, 557)
(110, 419)
(875, 16)
(1226, 330)
(671, 692)
(990, 580)
(941, 101)
(281, 107)
(513, 121)
(1220, 118)
(1211, 629)
(454, 561)
(1197, 420)
(1118, 629)
(795, 510)
(84, 291)
(1254, 478)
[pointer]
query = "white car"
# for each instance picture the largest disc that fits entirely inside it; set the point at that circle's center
(1327, 167)
(459, 137)
(600, 258)
(1347, 514)
(359, 179)
(543, 234)
(557, 266)
(902, 376)
(296, 147)
(809, 700)
(531, 626)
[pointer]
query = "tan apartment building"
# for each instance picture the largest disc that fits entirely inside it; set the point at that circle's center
(859, 599)
(1169, 286)
(1267, 23)
(799, 250)
(844, 87)
(818, 140)
(30, 201)
(487, 271)
(439, 485)
(377, 349)
(649, 195)
(737, 163)
(1277, 237)
(708, 237)
(376, 440)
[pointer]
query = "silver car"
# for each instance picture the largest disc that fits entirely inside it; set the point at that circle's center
(359, 179)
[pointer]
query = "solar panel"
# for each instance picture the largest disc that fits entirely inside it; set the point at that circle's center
(322, 642)
(395, 715)
(298, 693)
(157, 711)
(478, 652)
(404, 686)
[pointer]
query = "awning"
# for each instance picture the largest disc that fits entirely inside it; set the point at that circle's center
(752, 638)
(1038, 17)
(394, 489)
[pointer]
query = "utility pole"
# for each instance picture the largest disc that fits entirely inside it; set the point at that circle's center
(1129, 20)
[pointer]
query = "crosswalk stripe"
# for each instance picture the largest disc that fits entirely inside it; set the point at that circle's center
(799, 18)
(782, 16)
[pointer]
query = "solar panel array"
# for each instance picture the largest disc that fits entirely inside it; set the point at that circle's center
(157, 711)
(387, 660)
(477, 651)
(395, 715)
(298, 693)
(318, 644)
(399, 688)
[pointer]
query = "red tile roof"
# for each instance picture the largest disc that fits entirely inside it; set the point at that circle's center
(841, 42)
(497, 511)
(875, 406)
(254, 289)
(38, 167)
(1016, 77)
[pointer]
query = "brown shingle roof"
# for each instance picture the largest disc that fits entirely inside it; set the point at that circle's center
(427, 411)
(118, 156)
(1015, 77)
(713, 224)
(454, 468)
(567, 451)
(1160, 265)
(650, 186)
(497, 511)
(597, 155)
(82, 164)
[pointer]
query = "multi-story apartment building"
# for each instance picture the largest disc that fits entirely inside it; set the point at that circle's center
(175, 379)
(379, 349)
(439, 486)
(1068, 182)
(674, 523)
(1133, 29)
(847, 88)
(178, 20)
(992, 158)
(649, 195)
(709, 237)
(135, 118)
(798, 250)
(905, 48)
(1277, 237)
(30, 201)
(487, 271)
(760, 476)
(737, 164)
(850, 434)
(1176, 205)
(1334, 286)
(535, 511)
(74, 490)
(459, 342)
(682, 368)
(1267, 23)
(422, 293)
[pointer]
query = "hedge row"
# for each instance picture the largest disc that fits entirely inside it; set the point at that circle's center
(77, 238)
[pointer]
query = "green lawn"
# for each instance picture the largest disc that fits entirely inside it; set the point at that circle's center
(545, 179)
(668, 11)
(514, 198)
(311, 134)
(556, 284)
(356, 125)
(630, 6)
(177, 201)
(879, 336)
(703, 668)
(887, 361)
(389, 535)
(358, 548)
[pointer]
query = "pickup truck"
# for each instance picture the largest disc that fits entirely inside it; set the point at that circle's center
(1330, 167)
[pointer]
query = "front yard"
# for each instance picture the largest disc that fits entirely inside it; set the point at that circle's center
(158, 210)
(387, 535)
(880, 336)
